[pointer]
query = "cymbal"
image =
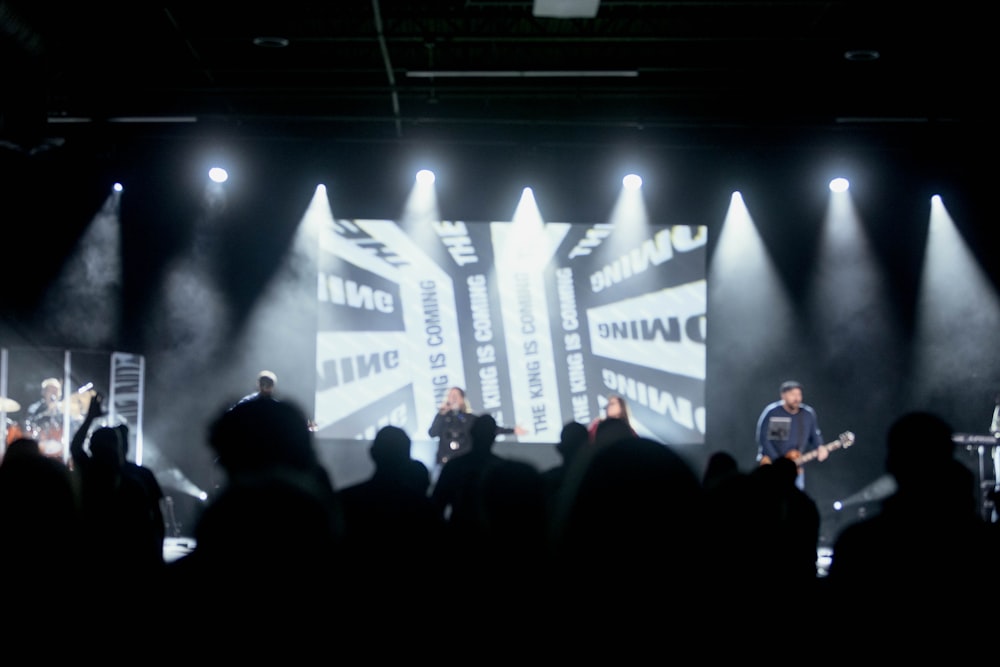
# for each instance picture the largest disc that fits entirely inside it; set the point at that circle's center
(9, 404)
(79, 404)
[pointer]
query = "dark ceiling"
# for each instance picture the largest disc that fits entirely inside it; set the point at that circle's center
(402, 70)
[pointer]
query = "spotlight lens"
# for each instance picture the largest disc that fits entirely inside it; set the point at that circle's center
(425, 176)
(839, 185)
(218, 174)
(632, 182)
(117, 187)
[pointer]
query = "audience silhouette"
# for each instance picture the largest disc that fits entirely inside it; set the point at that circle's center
(573, 438)
(627, 525)
(392, 529)
(620, 523)
(268, 548)
(921, 555)
(155, 498)
(785, 528)
(40, 529)
(721, 467)
(456, 493)
(496, 539)
(123, 528)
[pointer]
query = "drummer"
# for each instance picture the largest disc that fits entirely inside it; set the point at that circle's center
(50, 403)
(45, 419)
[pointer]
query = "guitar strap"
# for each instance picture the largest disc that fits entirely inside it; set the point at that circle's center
(800, 431)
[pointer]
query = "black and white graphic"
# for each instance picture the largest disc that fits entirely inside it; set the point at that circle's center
(778, 428)
(538, 323)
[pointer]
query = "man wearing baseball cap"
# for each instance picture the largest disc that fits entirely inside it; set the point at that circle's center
(789, 428)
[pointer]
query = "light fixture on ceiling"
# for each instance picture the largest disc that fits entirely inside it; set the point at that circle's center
(565, 9)
(861, 55)
(270, 42)
(153, 119)
(520, 74)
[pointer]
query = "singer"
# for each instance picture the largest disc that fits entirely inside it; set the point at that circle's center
(452, 423)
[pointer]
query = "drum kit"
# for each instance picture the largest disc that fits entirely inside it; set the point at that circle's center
(45, 427)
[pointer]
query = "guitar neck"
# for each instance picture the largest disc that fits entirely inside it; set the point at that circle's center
(843, 441)
(810, 455)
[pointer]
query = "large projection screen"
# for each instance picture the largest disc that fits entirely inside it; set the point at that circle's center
(538, 322)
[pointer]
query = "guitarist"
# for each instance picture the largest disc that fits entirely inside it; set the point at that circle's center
(789, 428)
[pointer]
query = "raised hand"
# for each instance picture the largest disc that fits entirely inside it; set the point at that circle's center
(94, 410)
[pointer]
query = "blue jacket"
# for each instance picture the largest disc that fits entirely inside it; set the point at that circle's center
(779, 431)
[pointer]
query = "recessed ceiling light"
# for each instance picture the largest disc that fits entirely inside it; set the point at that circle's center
(566, 9)
(270, 42)
(861, 55)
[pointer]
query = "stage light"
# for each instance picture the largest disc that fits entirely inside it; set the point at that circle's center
(749, 292)
(877, 490)
(839, 185)
(171, 477)
(955, 293)
(527, 220)
(90, 278)
(632, 182)
(421, 207)
(117, 187)
(218, 174)
(628, 217)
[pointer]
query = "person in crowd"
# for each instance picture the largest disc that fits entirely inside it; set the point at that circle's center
(923, 549)
(40, 530)
(506, 559)
(628, 529)
(573, 438)
(456, 492)
(389, 516)
(122, 521)
(721, 466)
(269, 547)
(156, 499)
